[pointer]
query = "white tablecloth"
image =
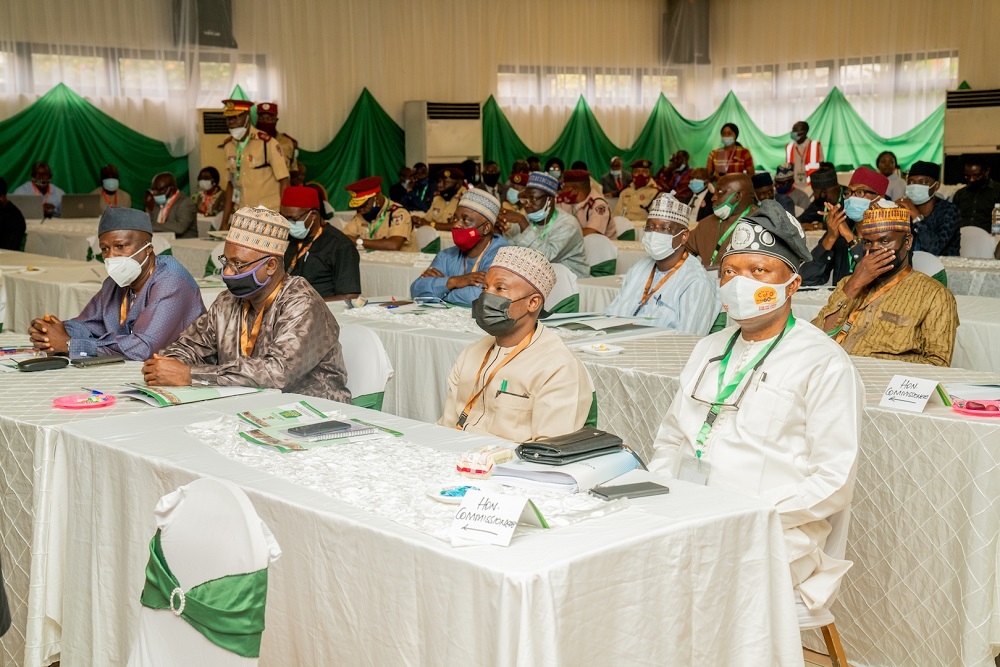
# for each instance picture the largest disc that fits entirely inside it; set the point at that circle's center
(651, 584)
(388, 273)
(193, 254)
(67, 239)
(973, 277)
(32, 526)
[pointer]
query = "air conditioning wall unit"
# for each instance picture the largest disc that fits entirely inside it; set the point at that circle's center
(443, 133)
(972, 122)
(212, 132)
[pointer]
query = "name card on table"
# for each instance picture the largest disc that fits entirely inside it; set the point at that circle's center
(908, 393)
(490, 518)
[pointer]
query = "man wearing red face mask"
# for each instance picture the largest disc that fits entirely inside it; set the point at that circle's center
(634, 201)
(457, 274)
(267, 121)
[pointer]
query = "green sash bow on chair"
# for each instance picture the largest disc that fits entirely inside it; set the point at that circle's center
(432, 248)
(606, 268)
(228, 611)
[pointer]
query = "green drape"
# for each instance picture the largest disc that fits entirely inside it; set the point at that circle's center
(369, 144)
(846, 138)
(77, 139)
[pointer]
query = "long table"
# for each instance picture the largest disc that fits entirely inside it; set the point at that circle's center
(387, 273)
(973, 277)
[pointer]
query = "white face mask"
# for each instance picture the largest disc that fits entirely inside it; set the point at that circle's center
(745, 298)
(659, 245)
(238, 132)
(204, 185)
(124, 270)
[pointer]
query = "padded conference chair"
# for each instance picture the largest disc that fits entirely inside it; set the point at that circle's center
(565, 295)
(977, 243)
(602, 255)
(428, 240)
(822, 619)
(931, 265)
(368, 366)
(207, 569)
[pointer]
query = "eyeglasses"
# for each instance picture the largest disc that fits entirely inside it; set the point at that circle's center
(466, 222)
(735, 405)
(237, 267)
(660, 229)
(525, 198)
(859, 192)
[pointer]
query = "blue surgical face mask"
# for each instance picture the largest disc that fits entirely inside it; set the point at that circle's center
(696, 185)
(796, 137)
(512, 196)
(297, 229)
(555, 173)
(160, 199)
(541, 215)
(728, 141)
(918, 193)
(855, 207)
(110, 184)
(616, 172)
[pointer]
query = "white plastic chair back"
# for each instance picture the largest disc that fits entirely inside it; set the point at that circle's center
(977, 242)
(564, 289)
(95, 247)
(160, 244)
(208, 223)
(338, 223)
(599, 249)
(217, 249)
(368, 365)
(622, 225)
(836, 547)
(926, 263)
(208, 529)
(425, 236)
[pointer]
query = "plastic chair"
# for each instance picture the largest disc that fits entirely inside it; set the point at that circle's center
(213, 267)
(368, 366)
(94, 251)
(836, 547)
(565, 295)
(931, 265)
(161, 246)
(208, 223)
(602, 255)
(977, 242)
(625, 228)
(208, 530)
(428, 240)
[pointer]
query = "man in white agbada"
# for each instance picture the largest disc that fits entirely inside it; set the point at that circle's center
(771, 407)
(670, 288)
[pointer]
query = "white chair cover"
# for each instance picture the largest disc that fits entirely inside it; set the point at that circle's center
(977, 242)
(217, 250)
(160, 244)
(836, 547)
(564, 288)
(368, 365)
(208, 223)
(599, 249)
(208, 529)
(622, 225)
(425, 235)
(926, 263)
(338, 223)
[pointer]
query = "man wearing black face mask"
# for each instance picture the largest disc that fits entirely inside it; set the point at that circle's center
(520, 382)
(491, 179)
(421, 193)
(442, 209)
(885, 309)
(268, 330)
(378, 224)
(976, 200)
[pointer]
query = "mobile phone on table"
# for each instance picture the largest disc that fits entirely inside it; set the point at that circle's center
(640, 490)
(83, 362)
(319, 428)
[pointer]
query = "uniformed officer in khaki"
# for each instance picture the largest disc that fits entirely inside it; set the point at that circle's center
(450, 191)
(378, 222)
(634, 201)
(258, 173)
(267, 120)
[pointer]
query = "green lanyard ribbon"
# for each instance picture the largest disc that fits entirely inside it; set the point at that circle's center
(378, 221)
(722, 239)
(726, 390)
(548, 224)
(240, 147)
(228, 611)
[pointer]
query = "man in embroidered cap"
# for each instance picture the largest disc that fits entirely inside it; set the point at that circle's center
(320, 253)
(258, 172)
(753, 413)
(634, 200)
(937, 222)
(840, 249)
(450, 189)
(143, 305)
(267, 121)
(544, 227)
(520, 382)
(458, 273)
(378, 222)
(885, 309)
(581, 199)
(670, 289)
(268, 330)
(784, 184)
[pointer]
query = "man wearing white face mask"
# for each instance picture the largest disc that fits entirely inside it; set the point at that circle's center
(753, 413)
(111, 194)
(144, 305)
(938, 222)
(670, 289)
(258, 172)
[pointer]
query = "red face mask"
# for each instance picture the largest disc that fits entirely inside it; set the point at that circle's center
(466, 238)
(640, 180)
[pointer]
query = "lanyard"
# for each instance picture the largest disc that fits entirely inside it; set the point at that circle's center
(379, 221)
(648, 293)
(124, 313)
(545, 229)
(45, 198)
(208, 202)
(249, 341)
(240, 146)
(165, 209)
(465, 262)
(726, 390)
(722, 239)
(305, 250)
(841, 333)
(107, 200)
(475, 397)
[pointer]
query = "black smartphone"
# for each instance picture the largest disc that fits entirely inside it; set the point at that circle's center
(319, 428)
(83, 362)
(640, 490)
